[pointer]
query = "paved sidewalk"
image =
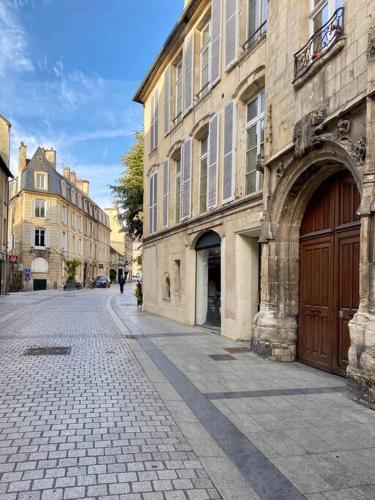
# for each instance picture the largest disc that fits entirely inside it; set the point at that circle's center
(291, 421)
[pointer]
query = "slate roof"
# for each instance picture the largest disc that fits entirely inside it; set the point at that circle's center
(5, 168)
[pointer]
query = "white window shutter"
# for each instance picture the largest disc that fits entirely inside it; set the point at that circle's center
(155, 196)
(215, 55)
(151, 208)
(186, 179)
(188, 71)
(33, 208)
(212, 177)
(165, 192)
(167, 99)
(229, 151)
(47, 238)
(230, 32)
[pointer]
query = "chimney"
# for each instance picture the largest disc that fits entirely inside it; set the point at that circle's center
(85, 187)
(79, 184)
(22, 157)
(73, 177)
(66, 173)
(4, 139)
(50, 155)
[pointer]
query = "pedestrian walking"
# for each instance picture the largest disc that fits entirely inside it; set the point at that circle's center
(122, 283)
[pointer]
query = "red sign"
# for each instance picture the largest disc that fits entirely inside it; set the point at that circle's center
(13, 259)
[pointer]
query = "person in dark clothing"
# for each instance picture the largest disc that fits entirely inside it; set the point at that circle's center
(122, 283)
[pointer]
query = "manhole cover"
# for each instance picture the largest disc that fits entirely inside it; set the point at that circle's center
(221, 357)
(47, 351)
(132, 337)
(233, 350)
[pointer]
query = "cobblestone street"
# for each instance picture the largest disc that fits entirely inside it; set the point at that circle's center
(139, 408)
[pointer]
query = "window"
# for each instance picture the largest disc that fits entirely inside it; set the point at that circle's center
(153, 202)
(321, 11)
(205, 51)
(154, 119)
(203, 175)
(178, 189)
(178, 92)
(41, 180)
(254, 141)
(40, 238)
(63, 214)
(257, 20)
(40, 208)
(73, 196)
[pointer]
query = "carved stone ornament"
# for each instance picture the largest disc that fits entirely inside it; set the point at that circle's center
(371, 43)
(305, 132)
(268, 131)
(280, 170)
(260, 163)
(308, 134)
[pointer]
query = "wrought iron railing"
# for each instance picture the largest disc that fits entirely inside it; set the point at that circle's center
(319, 43)
(254, 37)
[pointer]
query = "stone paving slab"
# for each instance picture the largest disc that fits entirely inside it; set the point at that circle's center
(89, 424)
(301, 420)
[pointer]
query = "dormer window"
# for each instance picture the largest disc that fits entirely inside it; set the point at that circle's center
(41, 180)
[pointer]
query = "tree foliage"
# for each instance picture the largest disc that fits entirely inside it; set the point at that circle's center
(128, 191)
(71, 267)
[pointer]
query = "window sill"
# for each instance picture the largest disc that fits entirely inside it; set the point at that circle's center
(203, 98)
(154, 151)
(252, 48)
(318, 63)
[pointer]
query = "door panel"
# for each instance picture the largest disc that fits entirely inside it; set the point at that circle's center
(347, 244)
(329, 274)
(315, 313)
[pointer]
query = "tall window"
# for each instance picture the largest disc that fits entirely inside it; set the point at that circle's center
(203, 175)
(64, 241)
(153, 202)
(178, 91)
(257, 20)
(205, 50)
(63, 214)
(254, 141)
(40, 238)
(41, 181)
(40, 208)
(320, 13)
(178, 189)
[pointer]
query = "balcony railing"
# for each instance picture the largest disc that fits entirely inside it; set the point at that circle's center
(319, 43)
(254, 37)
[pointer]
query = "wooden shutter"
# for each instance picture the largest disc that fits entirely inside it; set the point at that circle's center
(167, 99)
(165, 192)
(151, 207)
(152, 133)
(230, 32)
(186, 179)
(215, 55)
(229, 151)
(188, 71)
(155, 198)
(212, 177)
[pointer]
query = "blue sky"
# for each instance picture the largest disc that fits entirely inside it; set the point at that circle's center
(68, 71)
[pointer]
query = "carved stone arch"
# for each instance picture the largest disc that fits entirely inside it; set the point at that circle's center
(275, 331)
(193, 238)
(250, 85)
(175, 149)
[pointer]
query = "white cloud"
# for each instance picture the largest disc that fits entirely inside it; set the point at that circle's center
(13, 40)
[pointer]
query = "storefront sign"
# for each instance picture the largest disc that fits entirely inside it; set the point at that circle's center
(13, 259)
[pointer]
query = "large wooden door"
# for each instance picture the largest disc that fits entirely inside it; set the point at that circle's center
(329, 274)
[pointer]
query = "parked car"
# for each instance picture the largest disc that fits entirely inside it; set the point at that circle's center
(102, 282)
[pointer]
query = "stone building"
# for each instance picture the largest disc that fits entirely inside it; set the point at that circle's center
(52, 219)
(121, 244)
(5, 174)
(259, 179)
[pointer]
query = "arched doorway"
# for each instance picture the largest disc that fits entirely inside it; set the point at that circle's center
(329, 274)
(208, 280)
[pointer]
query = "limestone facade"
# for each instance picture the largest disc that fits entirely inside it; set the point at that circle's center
(52, 220)
(5, 174)
(121, 245)
(286, 103)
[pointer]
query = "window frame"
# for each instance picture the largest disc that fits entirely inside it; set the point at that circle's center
(261, 22)
(205, 48)
(315, 10)
(256, 121)
(39, 230)
(153, 207)
(36, 208)
(44, 176)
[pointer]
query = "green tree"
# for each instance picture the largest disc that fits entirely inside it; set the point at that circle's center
(128, 191)
(71, 267)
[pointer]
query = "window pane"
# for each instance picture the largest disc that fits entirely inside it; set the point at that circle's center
(203, 186)
(251, 138)
(262, 101)
(251, 160)
(252, 109)
(339, 3)
(251, 182)
(204, 145)
(178, 166)
(252, 20)
(264, 11)
(42, 237)
(262, 131)
(36, 238)
(205, 35)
